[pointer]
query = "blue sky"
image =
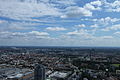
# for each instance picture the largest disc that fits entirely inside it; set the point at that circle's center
(60, 23)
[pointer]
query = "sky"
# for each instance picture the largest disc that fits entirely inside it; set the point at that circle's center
(60, 23)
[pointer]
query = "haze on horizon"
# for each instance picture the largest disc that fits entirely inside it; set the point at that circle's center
(60, 23)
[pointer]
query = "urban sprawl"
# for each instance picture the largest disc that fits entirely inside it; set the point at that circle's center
(59, 63)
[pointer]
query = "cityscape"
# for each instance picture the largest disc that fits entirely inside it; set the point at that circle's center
(59, 39)
(59, 63)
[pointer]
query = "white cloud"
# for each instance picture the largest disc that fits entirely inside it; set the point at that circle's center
(105, 29)
(105, 20)
(98, 3)
(95, 5)
(106, 37)
(80, 25)
(94, 26)
(113, 6)
(82, 33)
(37, 33)
(17, 27)
(7, 35)
(114, 27)
(86, 10)
(32, 34)
(73, 33)
(56, 28)
(25, 10)
(108, 19)
(117, 33)
(2, 21)
(91, 7)
(75, 11)
(65, 2)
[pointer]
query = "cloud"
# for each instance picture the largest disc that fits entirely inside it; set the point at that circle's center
(104, 21)
(7, 35)
(106, 37)
(98, 3)
(56, 28)
(80, 25)
(112, 6)
(114, 27)
(94, 26)
(91, 7)
(64, 2)
(37, 33)
(95, 5)
(26, 9)
(82, 33)
(75, 11)
(117, 33)
(108, 19)
(2, 21)
(17, 27)
(86, 10)
(13, 35)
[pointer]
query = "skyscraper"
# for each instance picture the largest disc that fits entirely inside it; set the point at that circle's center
(39, 72)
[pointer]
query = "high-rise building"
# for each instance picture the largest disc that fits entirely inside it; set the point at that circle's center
(39, 72)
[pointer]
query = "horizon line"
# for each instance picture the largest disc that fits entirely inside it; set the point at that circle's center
(63, 46)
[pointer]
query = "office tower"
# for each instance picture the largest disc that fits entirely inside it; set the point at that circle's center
(39, 72)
